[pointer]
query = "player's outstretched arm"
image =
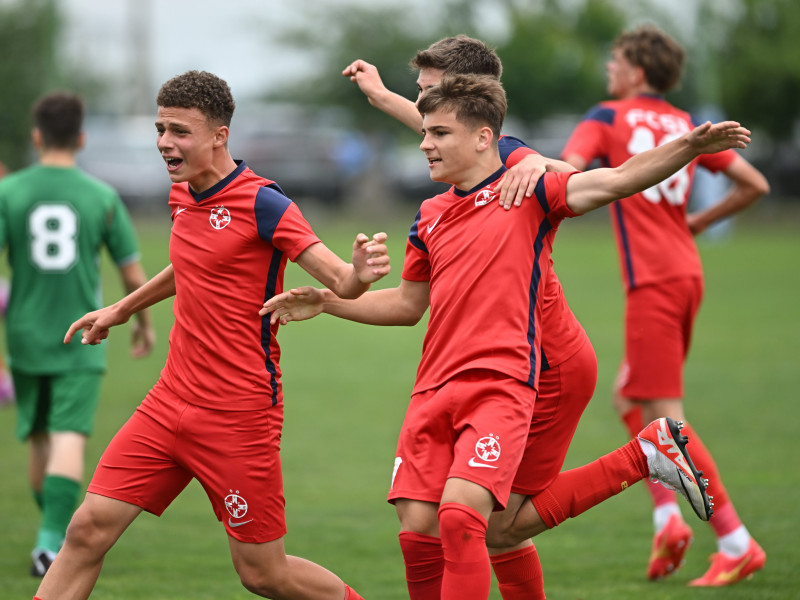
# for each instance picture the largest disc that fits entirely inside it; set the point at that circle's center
(749, 185)
(592, 189)
(96, 324)
(369, 81)
(370, 263)
(402, 305)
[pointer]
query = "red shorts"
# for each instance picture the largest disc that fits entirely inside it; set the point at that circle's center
(473, 427)
(234, 455)
(564, 392)
(658, 331)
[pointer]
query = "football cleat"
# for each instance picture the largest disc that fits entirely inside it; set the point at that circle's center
(727, 570)
(671, 466)
(42, 559)
(669, 546)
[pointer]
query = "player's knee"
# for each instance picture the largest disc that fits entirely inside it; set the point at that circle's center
(87, 534)
(500, 533)
(260, 582)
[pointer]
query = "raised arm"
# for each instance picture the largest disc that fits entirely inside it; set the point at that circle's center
(369, 81)
(592, 189)
(143, 336)
(749, 184)
(370, 263)
(96, 324)
(403, 305)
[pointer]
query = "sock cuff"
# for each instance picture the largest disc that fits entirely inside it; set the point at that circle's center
(511, 556)
(419, 538)
(468, 510)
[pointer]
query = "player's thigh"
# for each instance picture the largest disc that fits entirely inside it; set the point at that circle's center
(564, 393)
(139, 465)
(74, 399)
(658, 328)
(33, 404)
(235, 455)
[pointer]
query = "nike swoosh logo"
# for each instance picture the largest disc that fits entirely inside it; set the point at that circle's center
(474, 463)
(430, 227)
(231, 523)
(733, 575)
(179, 211)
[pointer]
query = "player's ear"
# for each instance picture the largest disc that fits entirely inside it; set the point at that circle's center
(221, 136)
(485, 137)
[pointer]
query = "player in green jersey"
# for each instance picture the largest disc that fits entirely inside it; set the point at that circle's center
(54, 219)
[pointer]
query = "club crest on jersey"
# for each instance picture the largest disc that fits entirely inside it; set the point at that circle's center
(220, 217)
(236, 505)
(484, 197)
(488, 448)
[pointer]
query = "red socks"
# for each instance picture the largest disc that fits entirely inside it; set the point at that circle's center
(577, 490)
(519, 574)
(467, 573)
(350, 593)
(424, 561)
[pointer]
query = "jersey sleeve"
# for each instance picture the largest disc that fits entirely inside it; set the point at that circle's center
(417, 265)
(280, 222)
(717, 162)
(513, 150)
(589, 138)
(121, 238)
(551, 192)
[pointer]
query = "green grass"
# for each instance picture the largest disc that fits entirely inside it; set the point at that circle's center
(346, 389)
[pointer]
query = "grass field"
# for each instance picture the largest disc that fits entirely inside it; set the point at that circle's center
(346, 388)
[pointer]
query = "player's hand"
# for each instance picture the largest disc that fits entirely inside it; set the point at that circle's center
(297, 304)
(520, 180)
(708, 138)
(367, 78)
(143, 340)
(370, 258)
(95, 325)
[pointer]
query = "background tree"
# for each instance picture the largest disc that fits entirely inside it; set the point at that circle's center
(28, 37)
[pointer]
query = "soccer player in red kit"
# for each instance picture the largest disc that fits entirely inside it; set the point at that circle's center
(568, 365)
(467, 424)
(663, 278)
(216, 412)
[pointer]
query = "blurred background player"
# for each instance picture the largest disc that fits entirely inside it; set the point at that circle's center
(663, 279)
(54, 220)
(216, 412)
(6, 382)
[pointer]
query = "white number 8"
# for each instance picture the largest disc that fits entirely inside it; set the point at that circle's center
(53, 229)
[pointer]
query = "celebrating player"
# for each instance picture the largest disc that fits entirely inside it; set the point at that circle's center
(216, 412)
(663, 278)
(467, 424)
(55, 219)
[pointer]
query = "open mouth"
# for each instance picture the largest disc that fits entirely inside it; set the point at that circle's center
(173, 163)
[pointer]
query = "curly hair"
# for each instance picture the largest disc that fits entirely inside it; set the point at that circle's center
(459, 55)
(477, 100)
(59, 118)
(660, 56)
(202, 90)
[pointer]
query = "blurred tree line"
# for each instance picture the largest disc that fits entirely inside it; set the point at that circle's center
(742, 57)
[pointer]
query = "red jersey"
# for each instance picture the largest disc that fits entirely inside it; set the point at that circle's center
(653, 239)
(229, 247)
(562, 333)
(486, 268)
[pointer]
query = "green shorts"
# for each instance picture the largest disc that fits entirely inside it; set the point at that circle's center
(52, 403)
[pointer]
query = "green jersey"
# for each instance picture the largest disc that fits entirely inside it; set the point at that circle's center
(54, 221)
